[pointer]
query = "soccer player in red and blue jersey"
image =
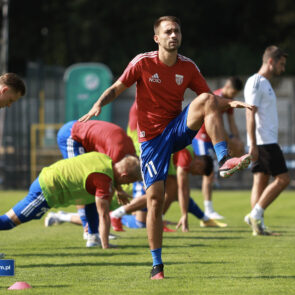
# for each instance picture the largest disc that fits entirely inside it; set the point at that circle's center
(161, 79)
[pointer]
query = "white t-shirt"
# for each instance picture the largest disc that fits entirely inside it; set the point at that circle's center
(258, 91)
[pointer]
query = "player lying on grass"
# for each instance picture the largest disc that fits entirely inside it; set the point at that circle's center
(77, 181)
(182, 164)
(162, 78)
(203, 146)
(75, 138)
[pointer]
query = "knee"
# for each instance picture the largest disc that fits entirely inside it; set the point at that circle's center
(155, 202)
(283, 181)
(204, 100)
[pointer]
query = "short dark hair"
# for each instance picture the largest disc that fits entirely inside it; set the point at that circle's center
(236, 83)
(273, 52)
(13, 81)
(209, 164)
(165, 18)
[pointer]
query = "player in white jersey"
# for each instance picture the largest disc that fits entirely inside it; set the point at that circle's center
(262, 129)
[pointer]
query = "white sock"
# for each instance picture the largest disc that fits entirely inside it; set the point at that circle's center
(119, 212)
(208, 206)
(257, 212)
(65, 216)
(205, 217)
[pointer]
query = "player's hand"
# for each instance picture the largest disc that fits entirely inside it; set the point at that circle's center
(240, 104)
(253, 151)
(183, 223)
(94, 111)
(123, 197)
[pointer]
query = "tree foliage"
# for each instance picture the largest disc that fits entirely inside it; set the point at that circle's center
(224, 37)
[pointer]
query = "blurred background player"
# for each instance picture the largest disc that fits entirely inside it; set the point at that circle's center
(182, 164)
(75, 138)
(12, 87)
(203, 146)
(262, 128)
(79, 180)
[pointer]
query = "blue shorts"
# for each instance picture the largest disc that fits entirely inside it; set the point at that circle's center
(33, 206)
(202, 148)
(156, 153)
(131, 222)
(138, 191)
(68, 146)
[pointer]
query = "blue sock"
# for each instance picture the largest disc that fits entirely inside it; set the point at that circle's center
(221, 150)
(157, 256)
(82, 216)
(6, 223)
(195, 209)
(92, 218)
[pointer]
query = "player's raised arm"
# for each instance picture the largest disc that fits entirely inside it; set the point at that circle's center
(183, 197)
(108, 96)
(224, 104)
(240, 104)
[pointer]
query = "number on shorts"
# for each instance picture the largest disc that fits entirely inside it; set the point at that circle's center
(151, 168)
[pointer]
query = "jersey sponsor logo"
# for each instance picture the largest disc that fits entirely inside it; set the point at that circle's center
(155, 78)
(178, 79)
(142, 134)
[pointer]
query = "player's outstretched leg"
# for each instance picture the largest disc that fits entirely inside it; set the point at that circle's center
(229, 166)
(207, 108)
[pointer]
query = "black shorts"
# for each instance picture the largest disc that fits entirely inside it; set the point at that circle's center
(270, 160)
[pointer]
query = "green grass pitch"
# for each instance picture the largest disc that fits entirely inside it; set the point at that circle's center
(204, 261)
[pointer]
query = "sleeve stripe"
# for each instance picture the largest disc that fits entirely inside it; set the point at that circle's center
(186, 59)
(139, 57)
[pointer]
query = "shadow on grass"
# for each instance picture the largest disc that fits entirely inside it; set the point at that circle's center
(267, 277)
(228, 231)
(49, 265)
(202, 238)
(165, 246)
(42, 286)
(51, 286)
(259, 277)
(74, 254)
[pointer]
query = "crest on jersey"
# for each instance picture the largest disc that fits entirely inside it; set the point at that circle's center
(178, 79)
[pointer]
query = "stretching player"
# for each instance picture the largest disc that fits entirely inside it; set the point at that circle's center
(182, 163)
(262, 128)
(75, 138)
(161, 79)
(203, 146)
(177, 186)
(79, 180)
(12, 88)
